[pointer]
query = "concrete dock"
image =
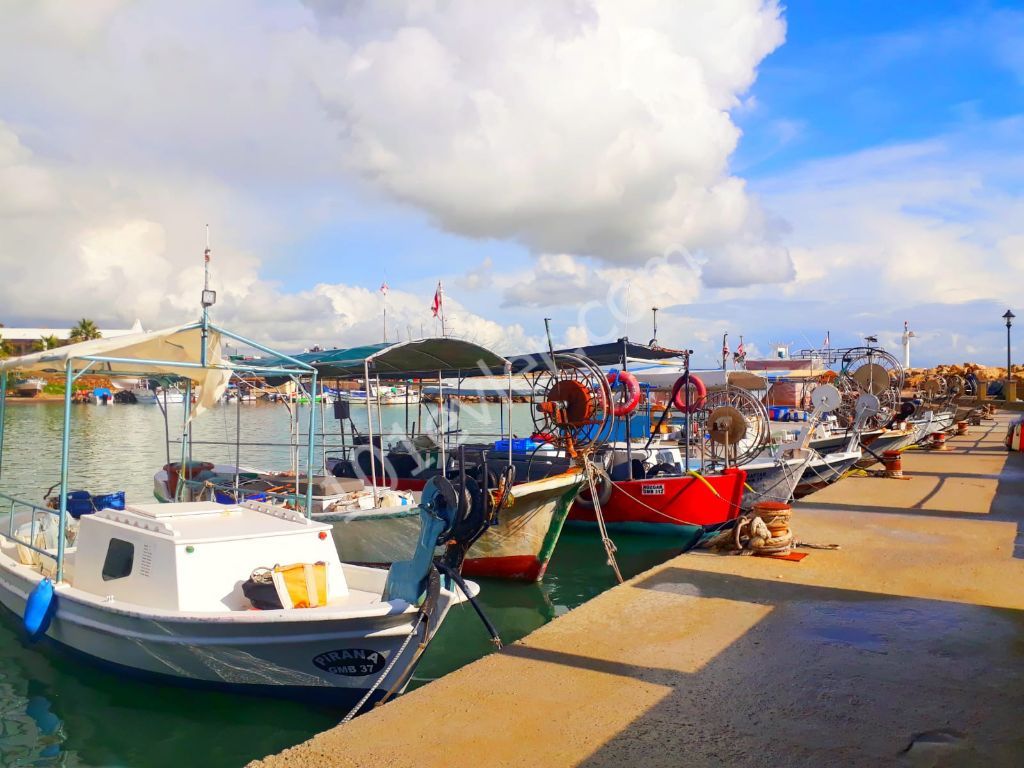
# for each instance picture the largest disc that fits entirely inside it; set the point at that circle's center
(903, 647)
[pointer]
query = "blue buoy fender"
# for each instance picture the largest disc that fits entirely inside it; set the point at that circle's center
(39, 609)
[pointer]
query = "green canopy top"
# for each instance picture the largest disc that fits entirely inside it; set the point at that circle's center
(407, 359)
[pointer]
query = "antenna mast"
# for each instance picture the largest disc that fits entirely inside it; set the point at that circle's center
(209, 298)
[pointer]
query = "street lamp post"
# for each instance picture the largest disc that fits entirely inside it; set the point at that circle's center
(1011, 389)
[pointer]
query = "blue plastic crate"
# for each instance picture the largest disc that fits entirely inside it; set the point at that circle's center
(519, 445)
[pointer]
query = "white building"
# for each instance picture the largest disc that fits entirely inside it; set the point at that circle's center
(23, 340)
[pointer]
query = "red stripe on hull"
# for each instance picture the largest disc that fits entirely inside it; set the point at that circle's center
(514, 567)
(682, 500)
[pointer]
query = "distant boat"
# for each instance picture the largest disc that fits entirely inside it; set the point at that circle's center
(168, 395)
(397, 395)
(102, 396)
(29, 387)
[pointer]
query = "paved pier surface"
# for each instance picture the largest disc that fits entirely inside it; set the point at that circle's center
(904, 647)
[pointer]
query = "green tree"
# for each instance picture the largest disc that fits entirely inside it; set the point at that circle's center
(45, 343)
(85, 331)
(5, 347)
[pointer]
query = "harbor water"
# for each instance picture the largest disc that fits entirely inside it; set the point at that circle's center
(62, 710)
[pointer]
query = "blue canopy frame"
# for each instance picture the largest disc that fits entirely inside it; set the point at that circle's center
(77, 365)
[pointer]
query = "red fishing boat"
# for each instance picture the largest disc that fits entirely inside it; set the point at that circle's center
(689, 507)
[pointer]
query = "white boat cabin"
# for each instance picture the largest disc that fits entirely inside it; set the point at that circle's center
(194, 556)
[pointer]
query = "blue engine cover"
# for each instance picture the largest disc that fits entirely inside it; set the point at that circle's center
(39, 609)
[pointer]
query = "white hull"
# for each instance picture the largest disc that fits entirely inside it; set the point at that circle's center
(29, 387)
(518, 547)
(825, 470)
(149, 397)
(399, 398)
(255, 650)
(775, 481)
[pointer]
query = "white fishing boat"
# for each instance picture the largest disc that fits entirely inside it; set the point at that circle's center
(193, 591)
(29, 387)
(102, 396)
(518, 546)
(158, 588)
(382, 394)
(161, 395)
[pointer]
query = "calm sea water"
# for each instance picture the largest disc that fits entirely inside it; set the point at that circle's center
(58, 709)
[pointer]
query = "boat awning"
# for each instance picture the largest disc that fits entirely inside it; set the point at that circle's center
(169, 353)
(421, 358)
(600, 354)
(663, 377)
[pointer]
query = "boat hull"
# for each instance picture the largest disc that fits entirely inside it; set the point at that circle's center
(776, 482)
(519, 547)
(893, 440)
(824, 471)
(257, 651)
(684, 506)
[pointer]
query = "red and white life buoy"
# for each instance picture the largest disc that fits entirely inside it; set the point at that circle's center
(628, 380)
(679, 392)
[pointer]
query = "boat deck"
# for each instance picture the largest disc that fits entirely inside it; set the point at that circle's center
(904, 647)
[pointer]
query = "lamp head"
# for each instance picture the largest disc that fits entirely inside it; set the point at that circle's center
(1008, 317)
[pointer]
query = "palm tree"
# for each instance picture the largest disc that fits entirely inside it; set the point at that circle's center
(45, 343)
(85, 331)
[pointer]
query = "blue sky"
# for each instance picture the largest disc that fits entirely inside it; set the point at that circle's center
(853, 75)
(763, 171)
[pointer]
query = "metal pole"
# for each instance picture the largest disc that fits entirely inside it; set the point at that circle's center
(508, 372)
(309, 450)
(3, 412)
(1009, 367)
(205, 324)
(65, 450)
(180, 487)
(440, 421)
(369, 429)
(629, 423)
(687, 425)
(238, 441)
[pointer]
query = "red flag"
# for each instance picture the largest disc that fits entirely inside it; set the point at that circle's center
(739, 349)
(206, 255)
(384, 288)
(725, 349)
(436, 306)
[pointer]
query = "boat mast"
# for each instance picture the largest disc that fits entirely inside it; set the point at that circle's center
(209, 298)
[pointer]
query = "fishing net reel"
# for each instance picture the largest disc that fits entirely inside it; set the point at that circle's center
(736, 426)
(872, 371)
(573, 404)
(956, 385)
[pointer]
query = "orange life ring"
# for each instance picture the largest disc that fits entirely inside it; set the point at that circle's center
(679, 396)
(632, 386)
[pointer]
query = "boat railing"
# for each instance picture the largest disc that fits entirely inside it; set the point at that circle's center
(13, 505)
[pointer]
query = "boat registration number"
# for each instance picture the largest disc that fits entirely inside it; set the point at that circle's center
(351, 662)
(652, 490)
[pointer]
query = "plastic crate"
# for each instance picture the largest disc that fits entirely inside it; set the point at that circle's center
(519, 445)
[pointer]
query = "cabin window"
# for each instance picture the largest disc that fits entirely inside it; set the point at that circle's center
(119, 559)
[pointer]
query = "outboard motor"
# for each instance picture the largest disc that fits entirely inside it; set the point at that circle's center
(475, 512)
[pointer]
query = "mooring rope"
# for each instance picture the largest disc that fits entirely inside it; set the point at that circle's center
(387, 670)
(609, 545)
